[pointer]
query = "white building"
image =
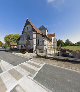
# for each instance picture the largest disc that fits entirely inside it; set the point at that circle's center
(33, 38)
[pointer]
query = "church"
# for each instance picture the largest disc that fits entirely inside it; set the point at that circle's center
(33, 38)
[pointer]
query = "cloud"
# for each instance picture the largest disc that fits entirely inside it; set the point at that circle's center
(56, 3)
(50, 1)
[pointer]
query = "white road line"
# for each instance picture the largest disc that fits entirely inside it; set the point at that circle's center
(30, 66)
(30, 86)
(5, 66)
(22, 71)
(38, 71)
(8, 80)
(11, 68)
(42, 86)
(31, 61)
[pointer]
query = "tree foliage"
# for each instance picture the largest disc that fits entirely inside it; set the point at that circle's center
(78, 43)
(60, 43)
(11, 38)
(68, 43)
(1, 44)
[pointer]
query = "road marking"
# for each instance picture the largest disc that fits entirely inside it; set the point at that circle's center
(38, 71)
(8, 80)
(17, 88)
(31, 63)
(5, 66)
(22, 71)
(2, 86)
(28, 69)
(15, 74)
(31, 86)
(40, 64)
(31, 66)
(10, 76)
(10, 68)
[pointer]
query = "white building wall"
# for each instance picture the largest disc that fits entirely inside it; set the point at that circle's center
(34, 41)
(45, 43)
(54, 42)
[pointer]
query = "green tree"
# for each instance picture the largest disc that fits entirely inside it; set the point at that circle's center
(60, 43)
(78, 43)
(1, 44)
(68, 43)
(11, 38)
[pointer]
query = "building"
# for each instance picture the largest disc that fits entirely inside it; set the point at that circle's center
(33, 38)
(13, 45)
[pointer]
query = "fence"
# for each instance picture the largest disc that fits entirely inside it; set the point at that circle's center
(47, 52)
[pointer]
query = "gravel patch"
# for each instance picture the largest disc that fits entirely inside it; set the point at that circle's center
(64, 64)
(26, 55)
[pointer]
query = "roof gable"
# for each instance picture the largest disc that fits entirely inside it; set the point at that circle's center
(28, 22)
(42, 28)
(49, 36)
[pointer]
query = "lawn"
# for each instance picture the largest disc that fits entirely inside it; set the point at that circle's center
(74, 48)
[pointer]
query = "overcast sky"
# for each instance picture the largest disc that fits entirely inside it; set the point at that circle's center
(59, 16)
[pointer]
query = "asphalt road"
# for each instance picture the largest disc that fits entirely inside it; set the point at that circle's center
(58, 79)
(1, 70)
(54, 78)
(10, 58)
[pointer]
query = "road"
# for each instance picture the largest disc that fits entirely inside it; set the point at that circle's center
(58, 79)
(10, 58)
(53, 78)
(16, 74)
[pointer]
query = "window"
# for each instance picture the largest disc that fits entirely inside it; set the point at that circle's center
(38, 41)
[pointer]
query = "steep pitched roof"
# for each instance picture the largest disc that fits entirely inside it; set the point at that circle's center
(35, 28)
(51, 35)
(42, 28)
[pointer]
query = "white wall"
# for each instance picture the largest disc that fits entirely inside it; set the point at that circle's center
(34, 41)
(54, 42)
(44, 32)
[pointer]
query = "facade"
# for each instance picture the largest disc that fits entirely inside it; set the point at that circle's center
(33, 38)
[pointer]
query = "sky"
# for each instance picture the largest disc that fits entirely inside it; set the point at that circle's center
(59, 16)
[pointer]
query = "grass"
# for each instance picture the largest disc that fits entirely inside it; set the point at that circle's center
(74, 48)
